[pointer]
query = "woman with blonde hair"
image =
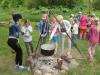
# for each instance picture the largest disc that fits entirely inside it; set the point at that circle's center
(65, 27)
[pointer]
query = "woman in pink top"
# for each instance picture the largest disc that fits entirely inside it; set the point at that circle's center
(54, 30)
(83, 26)
(93, 39)
(93, 21)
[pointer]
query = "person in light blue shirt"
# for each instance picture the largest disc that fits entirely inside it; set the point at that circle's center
(43, 28)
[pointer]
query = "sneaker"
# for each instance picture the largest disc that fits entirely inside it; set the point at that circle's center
(13, 52)
(16, 67)
(22, 68)
(28, 68)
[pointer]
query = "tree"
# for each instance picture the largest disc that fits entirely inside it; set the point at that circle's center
(38, 3)
(73, 3)
(96, 4)
(11, 3)
(5, 3)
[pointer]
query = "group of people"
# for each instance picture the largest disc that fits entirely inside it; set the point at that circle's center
(88, 28)
(81, 26)
(55, 29)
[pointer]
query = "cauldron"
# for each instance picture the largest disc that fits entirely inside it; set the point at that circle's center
(47, 49)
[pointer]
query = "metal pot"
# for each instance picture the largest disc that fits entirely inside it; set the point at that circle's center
(47, 49)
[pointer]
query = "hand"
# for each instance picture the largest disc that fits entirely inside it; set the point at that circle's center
(23, 33)
(49, 39)
(43, 35)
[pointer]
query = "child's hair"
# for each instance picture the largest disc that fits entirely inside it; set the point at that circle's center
(16, 17)
(72, 15)
(27, 21)
(75, 20)
(59, 17)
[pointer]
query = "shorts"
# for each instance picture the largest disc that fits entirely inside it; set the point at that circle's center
(55, 39)
(83, 30)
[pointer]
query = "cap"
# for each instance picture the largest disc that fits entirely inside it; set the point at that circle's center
(80, 12)
(72, 15)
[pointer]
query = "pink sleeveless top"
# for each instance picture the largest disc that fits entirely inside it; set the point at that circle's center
(83, 22)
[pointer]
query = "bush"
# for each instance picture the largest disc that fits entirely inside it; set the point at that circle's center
(34, 18)
(97, 4)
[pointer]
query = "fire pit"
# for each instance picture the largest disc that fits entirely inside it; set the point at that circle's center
(48, 64)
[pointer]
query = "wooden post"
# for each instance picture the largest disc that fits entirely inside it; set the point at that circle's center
(90, 5)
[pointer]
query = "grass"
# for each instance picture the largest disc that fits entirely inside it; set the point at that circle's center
(7, 58)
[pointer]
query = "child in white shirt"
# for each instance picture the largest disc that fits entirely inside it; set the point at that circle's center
(27, 29)
(75, 31)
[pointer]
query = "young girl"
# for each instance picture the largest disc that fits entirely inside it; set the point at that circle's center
(54, 30)
(93, 39)
(27, 29)
(75, 31)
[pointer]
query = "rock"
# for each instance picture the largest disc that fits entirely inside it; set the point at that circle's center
(59, 62)
(47, 74)
(64, 65)
(37, 72)
(62, 71)
(46, 69)
(73, 64)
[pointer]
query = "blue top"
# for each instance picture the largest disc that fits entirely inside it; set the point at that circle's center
(41, 27)
(78, 17)
(14, 30)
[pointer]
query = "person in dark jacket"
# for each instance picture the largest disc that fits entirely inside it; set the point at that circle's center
(14, 33)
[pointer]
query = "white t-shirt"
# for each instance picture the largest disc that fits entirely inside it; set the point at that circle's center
(75, 28)
(27, 33)
(67, 26)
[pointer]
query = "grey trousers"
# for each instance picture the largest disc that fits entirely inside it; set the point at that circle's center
(29, 46)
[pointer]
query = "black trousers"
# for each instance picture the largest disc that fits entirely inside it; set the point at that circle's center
(13, 43)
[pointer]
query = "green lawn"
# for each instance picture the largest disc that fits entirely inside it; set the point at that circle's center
(7, 58)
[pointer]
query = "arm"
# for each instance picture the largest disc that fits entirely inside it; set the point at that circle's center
(30, 29)
(18, 29)
(53, 32)
(47, 28)
(39, 27)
